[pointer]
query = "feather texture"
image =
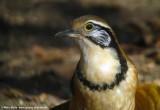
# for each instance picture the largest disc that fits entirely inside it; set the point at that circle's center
(148, 97)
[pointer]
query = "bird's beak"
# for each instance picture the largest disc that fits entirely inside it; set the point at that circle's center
(67, 33)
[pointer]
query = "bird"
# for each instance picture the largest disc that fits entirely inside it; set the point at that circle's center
(104, 78)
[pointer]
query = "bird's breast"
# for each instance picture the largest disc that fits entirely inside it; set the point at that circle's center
(114, 99)
(121, 97)
(100, 66)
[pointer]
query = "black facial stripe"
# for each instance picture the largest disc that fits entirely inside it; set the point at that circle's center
(120, 76)
(96, 42)
(103, 39)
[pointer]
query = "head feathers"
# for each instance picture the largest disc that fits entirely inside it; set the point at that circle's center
(79, 22)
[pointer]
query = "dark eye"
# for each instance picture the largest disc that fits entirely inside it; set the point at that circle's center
(89, 27)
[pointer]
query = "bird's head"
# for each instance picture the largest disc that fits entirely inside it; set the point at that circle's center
(90, 31)
(98, 46)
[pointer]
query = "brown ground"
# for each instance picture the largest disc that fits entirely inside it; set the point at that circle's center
(35, 68)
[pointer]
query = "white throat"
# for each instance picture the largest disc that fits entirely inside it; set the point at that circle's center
(99, 65)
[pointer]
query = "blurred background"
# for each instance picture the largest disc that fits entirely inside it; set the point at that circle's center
(36, 68)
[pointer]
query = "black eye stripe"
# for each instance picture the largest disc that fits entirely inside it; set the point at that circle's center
(99, 27)
(101, 40)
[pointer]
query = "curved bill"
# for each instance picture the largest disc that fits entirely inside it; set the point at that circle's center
(67, 33)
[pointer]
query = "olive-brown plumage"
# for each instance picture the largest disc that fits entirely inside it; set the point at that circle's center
(105, 78)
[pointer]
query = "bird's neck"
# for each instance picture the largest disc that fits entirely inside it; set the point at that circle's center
(101, 68)
(102, 77)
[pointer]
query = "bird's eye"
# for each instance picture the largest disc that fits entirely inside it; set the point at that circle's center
(89, 27)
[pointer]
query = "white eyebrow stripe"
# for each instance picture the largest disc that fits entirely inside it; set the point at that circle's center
(99, 23)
